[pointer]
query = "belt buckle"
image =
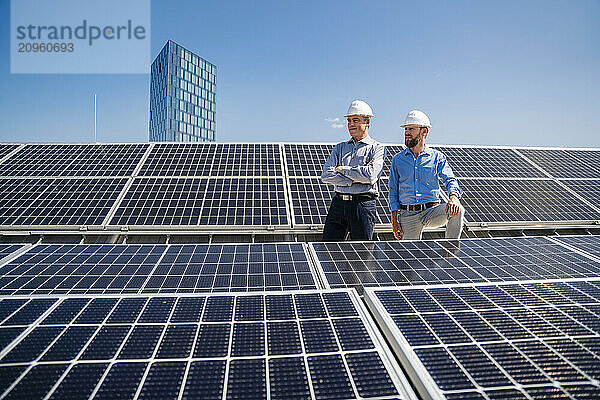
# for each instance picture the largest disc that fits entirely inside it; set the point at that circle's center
(418, 207)
(346, 197)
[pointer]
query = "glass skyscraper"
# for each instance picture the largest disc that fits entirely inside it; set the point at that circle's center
(182, 96)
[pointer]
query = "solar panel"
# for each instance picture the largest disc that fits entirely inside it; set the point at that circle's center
(5, 149)
(33, 201)
(483, 162)
(179, 159)
(244, 267)
(76, 269)
(269, 345)
(371, 264)
(390, 152)
(122, 269)
(566, 163)
(311, 199)
(211, 159)
(516, 201)
(203, 201)
(590, 243)
(162, 201)
(245, 201)
(74, 160)
(588, 189)
(8, 249)
(16, 195)
(247, 160)
(500, 341)
(306, 159)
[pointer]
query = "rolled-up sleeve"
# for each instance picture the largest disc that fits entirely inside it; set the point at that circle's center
(329, 174)
(447, 176)
(367, 174)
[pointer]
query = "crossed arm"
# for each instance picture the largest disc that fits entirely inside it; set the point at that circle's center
(343, 175)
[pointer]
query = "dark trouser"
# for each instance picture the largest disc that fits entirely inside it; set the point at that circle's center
(358, 217)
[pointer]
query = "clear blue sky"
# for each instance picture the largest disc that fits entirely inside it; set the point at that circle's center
(486, 72)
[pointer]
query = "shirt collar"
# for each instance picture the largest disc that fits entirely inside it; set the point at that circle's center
(366, 140)
(426, 150)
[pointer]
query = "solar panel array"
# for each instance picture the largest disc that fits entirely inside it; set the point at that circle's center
(372, 264)
(299, 345)
(486, 162)
(502, 187)
(565, 163)
(269, 186)
(306, 159)
(516, 340)
(518, 201)
(203, 201)
(479, 318)
(129, 269)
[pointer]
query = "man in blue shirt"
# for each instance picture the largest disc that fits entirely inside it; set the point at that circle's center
(353, 168)
(414, 186)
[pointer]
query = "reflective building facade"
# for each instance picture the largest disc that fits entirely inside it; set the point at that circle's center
(182, 96)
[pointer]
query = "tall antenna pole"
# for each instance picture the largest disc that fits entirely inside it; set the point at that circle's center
(95, 141)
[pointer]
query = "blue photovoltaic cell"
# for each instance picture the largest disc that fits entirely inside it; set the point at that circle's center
(8, 249)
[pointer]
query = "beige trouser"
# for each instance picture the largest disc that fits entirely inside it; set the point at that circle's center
(413, 222)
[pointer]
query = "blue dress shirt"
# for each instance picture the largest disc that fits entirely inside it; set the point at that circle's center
(362, 163)
(414, 180)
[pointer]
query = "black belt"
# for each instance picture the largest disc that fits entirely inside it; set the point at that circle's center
(355, 197)
(418, 207)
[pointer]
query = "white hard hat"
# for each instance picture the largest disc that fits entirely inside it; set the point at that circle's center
(416, 117)
(359, 107)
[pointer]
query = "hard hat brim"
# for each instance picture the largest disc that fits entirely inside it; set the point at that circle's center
(421, 126)
(359, 115)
